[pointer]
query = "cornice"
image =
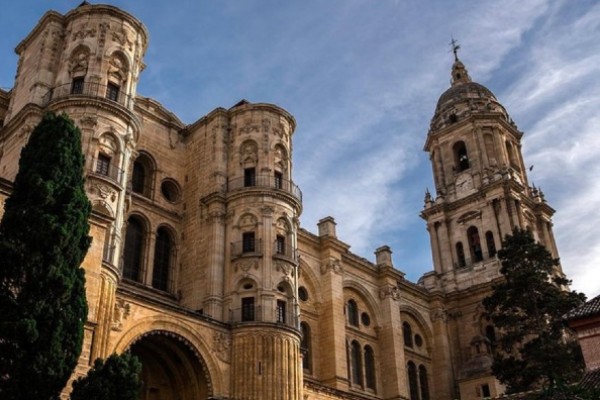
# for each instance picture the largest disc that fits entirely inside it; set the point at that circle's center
(159, 114)
(101, 104)
(48, 17)
(475, 120)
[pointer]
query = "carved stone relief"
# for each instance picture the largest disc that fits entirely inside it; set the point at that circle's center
(333, 265)
(245, 265)
(389, 291)
(121, 312)
(222, 343)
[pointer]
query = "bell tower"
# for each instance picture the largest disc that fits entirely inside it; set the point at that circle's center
(481, 185)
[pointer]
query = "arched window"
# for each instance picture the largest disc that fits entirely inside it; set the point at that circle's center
(305, 347)
(491, 245)
(162, 260)
(461, 158)
(133, 249)
(352, 313)
(407, 333)
(356, 363)
(512, 156)
(490, 333)
(460, 254)
(370, 368)
(138, 177)
(475, 244)
(413, 383)
(423, 383)
(141, 175)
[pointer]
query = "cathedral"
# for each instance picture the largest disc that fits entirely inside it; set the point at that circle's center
(200, 268)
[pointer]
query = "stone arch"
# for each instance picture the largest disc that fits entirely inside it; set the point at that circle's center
(280, 158)
(183, 333)
(247, 221)
(240, 281)
(366, 297)
(79, 61)
(118, 67)
(283, 225)
(287, 287)
(143, 171)
(310, 280)
(103, 208)
(109, 142)
(420, 322)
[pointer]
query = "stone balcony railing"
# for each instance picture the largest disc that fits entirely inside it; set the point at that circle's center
(266, 181)
(89, 90)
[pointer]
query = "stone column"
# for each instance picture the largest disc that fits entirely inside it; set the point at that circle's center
(391, 344)
(267, 363)
(212, 304)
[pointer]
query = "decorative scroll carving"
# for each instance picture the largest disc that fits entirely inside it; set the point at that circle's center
(84, 31)
(26, 130)
(222, 345)
(124, 38)
(439, 314)
(121, 312)
(249, 127)
(88, 121)
(245, 265)
(285, 268)
(105, 192)
(389, 291)
(333, 265)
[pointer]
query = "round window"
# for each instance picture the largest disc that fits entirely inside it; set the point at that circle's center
(418, 340)
(170, 190)
(302, 293)
(248, 286)
(365, 319)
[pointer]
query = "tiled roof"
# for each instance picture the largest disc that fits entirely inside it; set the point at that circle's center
(587, 309)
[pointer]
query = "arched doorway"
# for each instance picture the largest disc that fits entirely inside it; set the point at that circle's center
(171, 368)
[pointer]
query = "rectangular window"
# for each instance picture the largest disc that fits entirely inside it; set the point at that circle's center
(280, 245)
(250, 177)
(248, 242)
(77, 86)
(281, 311)
(103, 164)
(485, 390)
(112, 92)
(247, 309)
(278, 180)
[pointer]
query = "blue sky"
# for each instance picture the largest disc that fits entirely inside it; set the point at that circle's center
(362, 78)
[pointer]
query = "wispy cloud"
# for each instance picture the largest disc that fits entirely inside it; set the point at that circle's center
(362, 79)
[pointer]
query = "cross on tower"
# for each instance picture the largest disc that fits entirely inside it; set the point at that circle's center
(455, 47)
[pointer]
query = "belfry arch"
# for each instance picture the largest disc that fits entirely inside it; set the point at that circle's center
(172, 368)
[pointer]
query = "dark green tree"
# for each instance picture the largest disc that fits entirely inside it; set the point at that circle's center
(116, 378)
(43, 240)
(534, 348)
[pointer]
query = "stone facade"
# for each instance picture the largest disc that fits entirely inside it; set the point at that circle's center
(198, 264)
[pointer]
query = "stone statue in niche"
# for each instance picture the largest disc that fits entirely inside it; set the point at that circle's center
(117, 68)
(79, 62)
(248, 153)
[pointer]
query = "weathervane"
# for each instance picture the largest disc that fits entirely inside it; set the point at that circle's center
(455, 47)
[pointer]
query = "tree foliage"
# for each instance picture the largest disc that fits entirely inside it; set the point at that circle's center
(534, 348)
(116, 378)
(43, 240)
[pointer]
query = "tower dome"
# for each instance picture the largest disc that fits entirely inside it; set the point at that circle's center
(463, 99)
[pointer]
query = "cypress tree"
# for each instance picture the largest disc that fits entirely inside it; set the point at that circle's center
(43, 240)
(534, 348)
(116, 378)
